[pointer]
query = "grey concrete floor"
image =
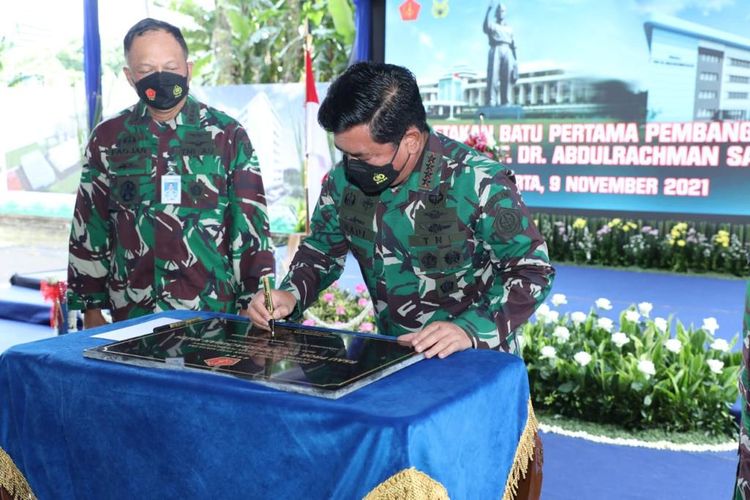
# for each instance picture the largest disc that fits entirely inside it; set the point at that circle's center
(29, 244)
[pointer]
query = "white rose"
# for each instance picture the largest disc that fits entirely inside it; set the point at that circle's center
(558, 299)
(542, 311)
(582, 357)
(552, 317)
(620, 339)
(715, 365)
(549, 352)
(561, 333)
(603, 303)
(645, 308)
(710, 325)
(673, 345)
(578, 317)
(632, 316)
(720, 345)
(661, 324)
(605, 324)
(646, 367)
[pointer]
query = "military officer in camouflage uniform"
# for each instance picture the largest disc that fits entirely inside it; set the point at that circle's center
(171, 211)
(445, 244)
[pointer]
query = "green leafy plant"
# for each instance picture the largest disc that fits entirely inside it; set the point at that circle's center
(261, 41)
(637, 372)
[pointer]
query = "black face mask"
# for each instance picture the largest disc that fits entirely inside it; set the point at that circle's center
(162, 90)
(371, 179)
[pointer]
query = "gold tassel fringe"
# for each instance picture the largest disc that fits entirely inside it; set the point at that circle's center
(524, 455)
(409, 484)
(12, 480)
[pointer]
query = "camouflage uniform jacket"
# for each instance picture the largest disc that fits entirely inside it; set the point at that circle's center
(135, 255)
(742, 486)
(454, 243)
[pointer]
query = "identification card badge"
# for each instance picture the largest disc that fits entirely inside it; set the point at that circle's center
(171, 189)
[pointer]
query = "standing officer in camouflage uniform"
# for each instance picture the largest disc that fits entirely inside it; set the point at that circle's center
(171, 210)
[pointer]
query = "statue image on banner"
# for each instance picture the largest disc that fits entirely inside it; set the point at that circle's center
(502, 64)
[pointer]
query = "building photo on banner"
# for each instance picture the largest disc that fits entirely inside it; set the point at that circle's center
(623, 126)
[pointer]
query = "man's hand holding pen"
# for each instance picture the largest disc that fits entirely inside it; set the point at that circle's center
(270, 305)
(268, 301)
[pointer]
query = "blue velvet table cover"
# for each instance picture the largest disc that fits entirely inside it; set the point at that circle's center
(90, 429)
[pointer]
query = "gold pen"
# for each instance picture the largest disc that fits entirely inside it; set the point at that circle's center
(269, 303)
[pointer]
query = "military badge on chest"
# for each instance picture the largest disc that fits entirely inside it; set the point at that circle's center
(507, 223)
(356, 213)
(126, 191)
(196, 143)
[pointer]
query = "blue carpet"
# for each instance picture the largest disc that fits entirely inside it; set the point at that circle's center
(688, 298)
(584, 470)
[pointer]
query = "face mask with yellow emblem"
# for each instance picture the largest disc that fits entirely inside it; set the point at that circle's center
(162, 90)
(371, 179)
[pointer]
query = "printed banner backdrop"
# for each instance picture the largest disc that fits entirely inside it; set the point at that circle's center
(274, 117)
(637, 106)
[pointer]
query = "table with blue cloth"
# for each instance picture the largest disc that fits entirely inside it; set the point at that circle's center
(89, 429)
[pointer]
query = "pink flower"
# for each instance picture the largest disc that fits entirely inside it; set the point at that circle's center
(477, 141)
(363, 302)
(328, 297)
(366, 326)
(309, 322)
(340, 310)
(360, 289)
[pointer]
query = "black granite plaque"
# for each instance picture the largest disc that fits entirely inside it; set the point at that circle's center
(297, 358)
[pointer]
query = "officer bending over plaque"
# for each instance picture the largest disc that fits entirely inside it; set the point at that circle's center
(446, 246)
(171, 211)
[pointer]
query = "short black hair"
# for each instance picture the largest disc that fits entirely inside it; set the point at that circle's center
(383, 96)
(150, 24)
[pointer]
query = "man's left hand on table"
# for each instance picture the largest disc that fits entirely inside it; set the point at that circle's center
(440, 339)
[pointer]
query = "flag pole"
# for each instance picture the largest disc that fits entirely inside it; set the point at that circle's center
(307, 50)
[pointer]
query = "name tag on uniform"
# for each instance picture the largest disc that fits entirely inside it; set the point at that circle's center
(171, 189)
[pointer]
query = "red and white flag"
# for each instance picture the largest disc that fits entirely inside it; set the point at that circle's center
(317, 152)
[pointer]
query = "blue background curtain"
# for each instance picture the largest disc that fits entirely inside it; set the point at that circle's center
(362, 24)
(92, 61)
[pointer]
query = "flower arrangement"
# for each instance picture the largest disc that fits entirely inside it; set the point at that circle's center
(676, 246)
(340, 309)
(635, 372)
(54, 291)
